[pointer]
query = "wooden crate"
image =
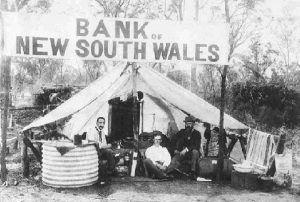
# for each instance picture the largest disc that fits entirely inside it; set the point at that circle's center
(244, 180)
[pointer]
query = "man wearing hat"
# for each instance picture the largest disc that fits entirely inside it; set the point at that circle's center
(187, 147)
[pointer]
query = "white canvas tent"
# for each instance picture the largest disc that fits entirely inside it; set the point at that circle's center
(165, 103)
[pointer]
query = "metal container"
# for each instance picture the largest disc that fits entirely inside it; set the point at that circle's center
(77, 140)
(68, 166)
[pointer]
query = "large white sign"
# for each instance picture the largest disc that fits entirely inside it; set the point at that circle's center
(97, 38)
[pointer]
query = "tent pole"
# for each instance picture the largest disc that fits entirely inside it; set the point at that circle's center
(142, 115)
(134, 95)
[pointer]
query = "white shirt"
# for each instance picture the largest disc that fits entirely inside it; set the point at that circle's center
(95, 136)
(200, 127)
(159, 153)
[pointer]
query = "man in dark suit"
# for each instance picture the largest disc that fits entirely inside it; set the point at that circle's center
(187, 147)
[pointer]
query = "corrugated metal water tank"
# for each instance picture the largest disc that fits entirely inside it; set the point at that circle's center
(67, 166)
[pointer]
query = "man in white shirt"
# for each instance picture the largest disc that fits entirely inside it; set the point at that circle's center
(201, 128)
(105, 151)
(157, 159)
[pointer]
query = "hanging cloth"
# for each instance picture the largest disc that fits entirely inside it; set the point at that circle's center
(260, 148)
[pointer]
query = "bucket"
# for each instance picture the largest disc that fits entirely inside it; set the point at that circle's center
(77, 167)
(266, 184)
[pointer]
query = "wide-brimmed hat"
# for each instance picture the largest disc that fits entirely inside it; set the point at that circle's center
(189, 119)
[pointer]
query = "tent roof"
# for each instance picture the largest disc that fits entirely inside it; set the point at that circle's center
(82, 99)
(185, 100)
(116, 83)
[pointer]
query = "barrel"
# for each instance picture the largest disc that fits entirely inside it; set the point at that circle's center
(208, 167)
(68, 166)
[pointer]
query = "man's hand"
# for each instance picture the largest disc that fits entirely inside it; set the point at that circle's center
(162, 167)
(108, 146)
(159, 162)
(183, 152)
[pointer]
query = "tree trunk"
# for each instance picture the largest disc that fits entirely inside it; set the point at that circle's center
(5, 81)
(220, 163)
(196, 10)
(194, 85)
(180, 12)
(25, 159)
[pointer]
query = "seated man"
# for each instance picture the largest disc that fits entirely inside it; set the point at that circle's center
(157, 159)
(187, 146)
(105, 152)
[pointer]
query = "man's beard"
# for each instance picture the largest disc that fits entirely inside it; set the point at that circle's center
(100, 127)
(188, 129)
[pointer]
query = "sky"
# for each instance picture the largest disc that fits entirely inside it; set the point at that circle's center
(277, 6)
(272, 9)
(82, 7)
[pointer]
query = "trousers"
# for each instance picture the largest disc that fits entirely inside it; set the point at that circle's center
(107, 154)
(206, 147)
(153, 169)
(177, 160)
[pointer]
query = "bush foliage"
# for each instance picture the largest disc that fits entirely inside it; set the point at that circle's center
(270, 103)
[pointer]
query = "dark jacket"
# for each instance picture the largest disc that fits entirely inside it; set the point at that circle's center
(191, 141)
(224, 137)
(207, 134)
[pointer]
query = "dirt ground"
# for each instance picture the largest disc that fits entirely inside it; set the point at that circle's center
(134, 189)
(139, 190)
(131, 189)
